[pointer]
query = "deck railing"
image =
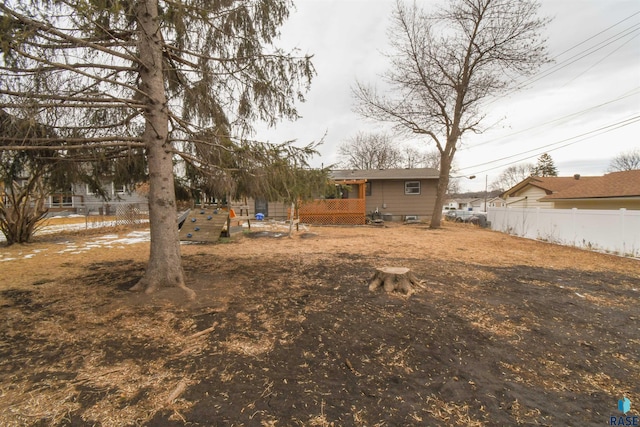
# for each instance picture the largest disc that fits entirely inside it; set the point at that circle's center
(333, 212)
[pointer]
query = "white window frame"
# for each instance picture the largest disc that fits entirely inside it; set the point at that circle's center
(411, 189)
(61, 200)
(122, 189)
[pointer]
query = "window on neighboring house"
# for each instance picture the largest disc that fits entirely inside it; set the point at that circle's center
(61, 200)
(97, 192)
(367, 188)
(119, 189)
(412, 187)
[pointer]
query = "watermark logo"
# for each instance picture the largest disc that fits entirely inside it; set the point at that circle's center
(624, 406)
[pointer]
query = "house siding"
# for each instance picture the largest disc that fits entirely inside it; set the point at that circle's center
(389, 198)
(529, 198)
(89, 203)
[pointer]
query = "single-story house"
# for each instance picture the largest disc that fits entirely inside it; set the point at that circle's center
(614, 190)
(394, 194)
(495, 202)
(477, 204)
(450, 204)
(483, 203)
(459, 204)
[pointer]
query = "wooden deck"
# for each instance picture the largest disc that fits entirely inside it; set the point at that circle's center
(333, 212)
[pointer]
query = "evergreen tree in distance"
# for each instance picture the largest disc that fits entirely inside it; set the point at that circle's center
(545, 166)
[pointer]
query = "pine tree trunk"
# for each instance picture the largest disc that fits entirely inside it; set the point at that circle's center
(165, 263)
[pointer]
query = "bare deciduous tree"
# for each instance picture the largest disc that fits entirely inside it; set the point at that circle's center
(512, 175)
(370, 151)
(444, 64)
(24, 180)
(627, 161)
(415, 158)
(149, 75)
(380, 151)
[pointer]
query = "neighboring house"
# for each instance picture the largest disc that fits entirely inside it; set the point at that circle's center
(483, 204)
(477, 204)
(612, 191)
(529, 192)
(459, 204)
(79, 199)
(450, 204)
(495, 202)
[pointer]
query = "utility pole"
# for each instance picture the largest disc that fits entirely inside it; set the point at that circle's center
(486, 209)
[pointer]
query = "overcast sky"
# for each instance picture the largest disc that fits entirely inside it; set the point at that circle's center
(583, 109)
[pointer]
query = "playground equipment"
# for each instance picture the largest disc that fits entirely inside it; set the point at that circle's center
(208, 224)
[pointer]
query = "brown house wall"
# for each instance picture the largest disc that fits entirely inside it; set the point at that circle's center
(389, 197)
(389, 193)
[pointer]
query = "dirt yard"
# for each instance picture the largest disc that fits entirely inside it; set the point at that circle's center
(284, 332)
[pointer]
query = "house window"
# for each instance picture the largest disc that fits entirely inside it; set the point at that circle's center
(367, 188)
(412, 187)
(117, 189)
(61, 200)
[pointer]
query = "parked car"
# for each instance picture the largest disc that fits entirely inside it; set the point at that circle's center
(479, 219)
(458, 215)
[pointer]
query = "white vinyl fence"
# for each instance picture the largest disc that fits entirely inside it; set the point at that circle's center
(611, 231)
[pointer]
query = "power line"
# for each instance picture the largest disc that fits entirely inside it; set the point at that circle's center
(597, 34)
(560, 119)
(627, 32)
(587, 135)
(582, 54)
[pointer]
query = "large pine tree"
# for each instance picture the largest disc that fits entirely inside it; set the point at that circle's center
(114, 76)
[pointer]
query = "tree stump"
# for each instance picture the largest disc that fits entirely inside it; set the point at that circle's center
(394, 279)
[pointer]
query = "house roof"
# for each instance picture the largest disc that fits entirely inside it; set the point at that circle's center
(415, 173)
(550, 184)
(615, 184)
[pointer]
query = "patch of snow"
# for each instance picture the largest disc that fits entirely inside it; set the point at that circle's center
(106, 241)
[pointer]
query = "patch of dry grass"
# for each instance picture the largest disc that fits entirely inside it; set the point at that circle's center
(88, 327)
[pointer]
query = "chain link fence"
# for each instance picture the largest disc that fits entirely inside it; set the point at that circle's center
(114, 214)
